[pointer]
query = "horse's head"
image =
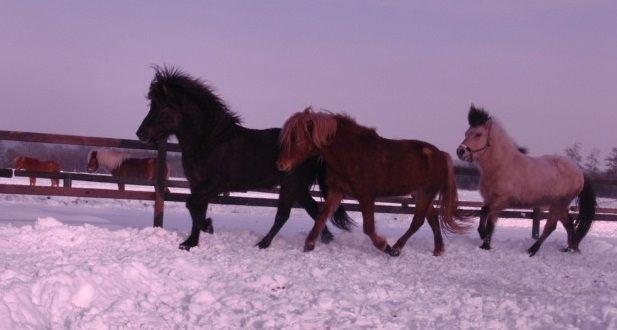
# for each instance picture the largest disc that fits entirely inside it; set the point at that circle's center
(93, 162)
(183, 106)
(20, 163)
(166, 107)
(477, 136)
(303, 135)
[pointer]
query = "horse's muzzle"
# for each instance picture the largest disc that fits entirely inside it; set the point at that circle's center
(282, 167)
(464, 153)
(142, 135)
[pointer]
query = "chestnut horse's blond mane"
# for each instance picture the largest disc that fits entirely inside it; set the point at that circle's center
(319, 127)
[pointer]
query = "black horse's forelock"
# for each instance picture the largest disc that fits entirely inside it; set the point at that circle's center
(170, 84)
(477, 116)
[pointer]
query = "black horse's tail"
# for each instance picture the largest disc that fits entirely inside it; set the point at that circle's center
(340, 218)
(586, 210)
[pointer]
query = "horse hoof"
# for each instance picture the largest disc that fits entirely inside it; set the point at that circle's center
(392, 252)
(309, 247)
(569, 249)
(263, 244)
(326, 237)
(437, 253)
(187, 245)
(532, 252)
(206, 227)
(485, 246)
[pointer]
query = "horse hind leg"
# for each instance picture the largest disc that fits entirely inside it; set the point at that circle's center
(32, 181)
(433, 220)
(423, 203)
(568, 223)
(549, 227)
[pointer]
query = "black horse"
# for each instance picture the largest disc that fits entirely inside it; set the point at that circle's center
(219, 155)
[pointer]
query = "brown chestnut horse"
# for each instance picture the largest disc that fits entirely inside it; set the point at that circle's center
(121, 164)
(364, 165)
(32, 164)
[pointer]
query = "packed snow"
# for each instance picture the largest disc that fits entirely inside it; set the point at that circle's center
(97, 263)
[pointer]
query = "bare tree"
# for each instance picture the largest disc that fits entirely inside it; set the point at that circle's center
(574, 153)
(592, 163)
(611, 162)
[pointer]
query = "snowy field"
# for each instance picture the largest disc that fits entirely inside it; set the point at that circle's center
(86, 263)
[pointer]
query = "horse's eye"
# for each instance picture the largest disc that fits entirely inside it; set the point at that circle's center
(478, 135)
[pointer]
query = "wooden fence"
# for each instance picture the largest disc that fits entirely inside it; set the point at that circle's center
(402, 205)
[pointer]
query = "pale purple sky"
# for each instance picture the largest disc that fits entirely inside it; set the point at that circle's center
(546, 69)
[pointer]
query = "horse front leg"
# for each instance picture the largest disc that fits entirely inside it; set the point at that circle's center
(285, 202)
(197, 204)
(482, 223)
(32, 181)
(312, 208)
(491, 219)
(332, 202)
(490, 212)
(368, 225)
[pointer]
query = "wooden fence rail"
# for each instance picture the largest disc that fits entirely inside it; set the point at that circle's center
(403, 205)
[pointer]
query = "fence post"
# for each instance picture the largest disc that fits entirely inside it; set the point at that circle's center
(535, 227)
(67, 182)
(159, 187)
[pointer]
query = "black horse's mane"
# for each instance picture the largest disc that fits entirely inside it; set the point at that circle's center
(169, 83)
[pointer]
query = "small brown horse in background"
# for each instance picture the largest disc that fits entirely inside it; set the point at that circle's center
(364, 165)
(32, 164)
(121, 164)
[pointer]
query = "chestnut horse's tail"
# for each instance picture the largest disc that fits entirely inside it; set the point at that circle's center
(450, 220)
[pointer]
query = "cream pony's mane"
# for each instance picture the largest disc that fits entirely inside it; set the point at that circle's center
(501, 140)
(109, 159)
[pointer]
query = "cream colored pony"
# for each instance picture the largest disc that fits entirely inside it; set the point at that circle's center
(509, 178)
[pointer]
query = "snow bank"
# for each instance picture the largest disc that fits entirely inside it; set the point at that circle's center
(53, 275)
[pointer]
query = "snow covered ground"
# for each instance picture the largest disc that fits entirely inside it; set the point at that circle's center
(85, 263)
